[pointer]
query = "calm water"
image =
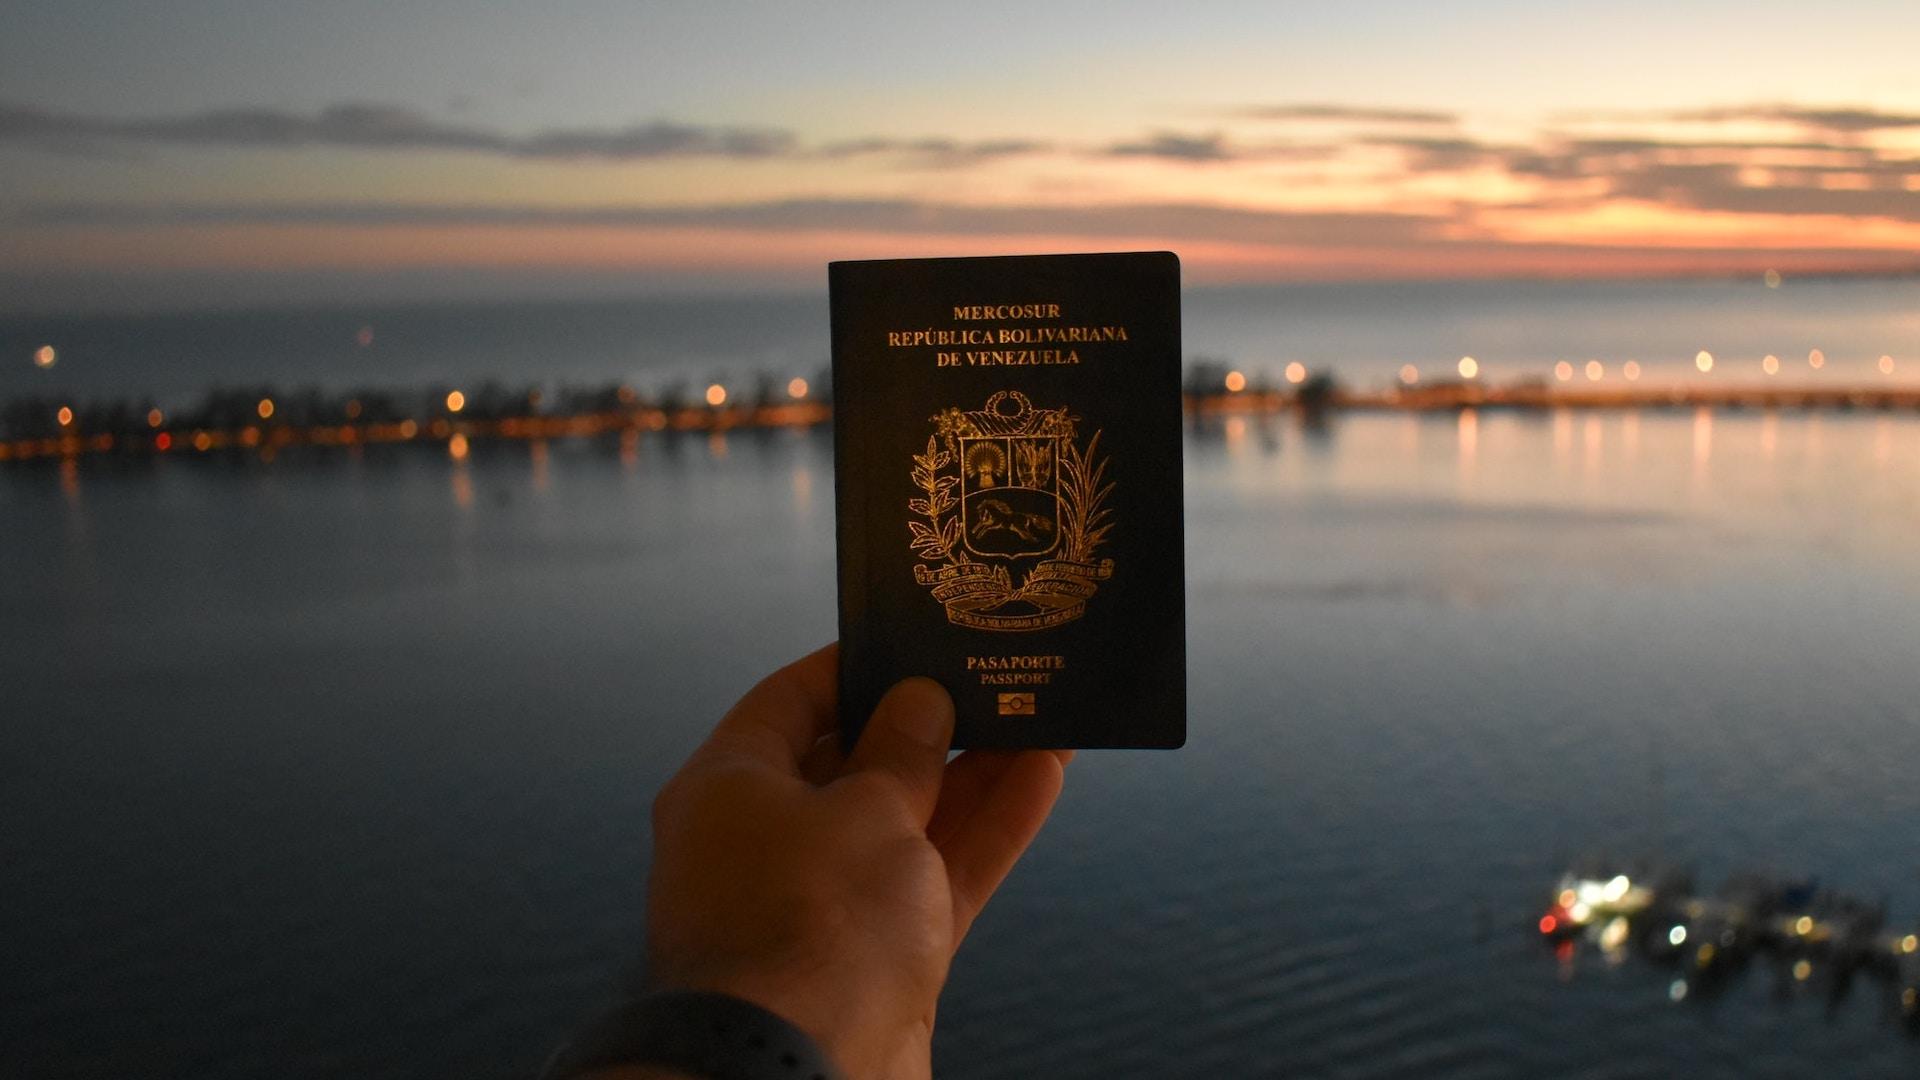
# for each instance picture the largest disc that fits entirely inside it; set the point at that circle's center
(339, 766)
(1362, 332)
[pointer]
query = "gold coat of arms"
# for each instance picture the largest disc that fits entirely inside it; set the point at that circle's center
(1006, 489)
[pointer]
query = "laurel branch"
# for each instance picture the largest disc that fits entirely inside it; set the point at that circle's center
(938, 539)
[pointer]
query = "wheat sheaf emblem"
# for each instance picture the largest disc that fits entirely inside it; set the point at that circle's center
(1010, 515)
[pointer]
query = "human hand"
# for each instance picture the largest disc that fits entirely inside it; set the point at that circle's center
(834, 891)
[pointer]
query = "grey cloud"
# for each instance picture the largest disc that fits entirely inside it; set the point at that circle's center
(1852, 120)
(1718, 187)
(938, 150)
(1441, 154)
(1177, 147)
(1357, 113)
(1172, 220)
(384, 127)
(1841, 121)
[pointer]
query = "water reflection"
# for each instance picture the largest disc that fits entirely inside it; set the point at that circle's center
(462, 481)
(1702, 443)
(537, 451)
(1469, 440)
(803, 490)
(1236, 435)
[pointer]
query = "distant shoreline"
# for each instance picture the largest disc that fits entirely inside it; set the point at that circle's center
(127, 432)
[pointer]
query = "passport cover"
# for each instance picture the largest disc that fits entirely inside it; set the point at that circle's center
(1007, 440)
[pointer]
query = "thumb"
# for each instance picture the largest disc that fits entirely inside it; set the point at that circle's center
(907, 739)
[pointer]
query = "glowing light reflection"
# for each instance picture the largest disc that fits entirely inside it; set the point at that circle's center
(1702, 440)
(1469, 367)
(1296, 372)
(1703, 360)
(1235, 382)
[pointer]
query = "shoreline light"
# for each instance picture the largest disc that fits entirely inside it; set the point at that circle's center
(1771, 364)
(1234, 382)
(1469, 367)
(1563, 371)
(44, 356)
(456, 401)
(1817, 359)
(65, 416)
(1886, 365)
(1631, 369)
(797, 388)
(1595, 370)
(1409, 374)
(1296, 373)
(265, 408)
(155, 418)
(716, 395)
(1703, 360)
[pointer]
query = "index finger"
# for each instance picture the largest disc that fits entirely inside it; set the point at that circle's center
(778, 721)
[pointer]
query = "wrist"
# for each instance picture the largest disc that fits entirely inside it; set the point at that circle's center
(690, 1035)
(815, 1015)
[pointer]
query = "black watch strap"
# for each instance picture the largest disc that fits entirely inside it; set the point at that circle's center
(714, 1036)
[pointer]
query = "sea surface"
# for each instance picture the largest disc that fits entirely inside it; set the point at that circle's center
(339, 765)
(1363, 333)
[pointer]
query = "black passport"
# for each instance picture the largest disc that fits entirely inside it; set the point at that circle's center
(1007, 437)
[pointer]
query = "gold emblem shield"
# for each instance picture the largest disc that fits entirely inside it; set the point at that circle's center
(1008, 507)
(1004, 491)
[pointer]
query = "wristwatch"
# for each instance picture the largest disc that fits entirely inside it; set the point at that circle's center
(712, 1036)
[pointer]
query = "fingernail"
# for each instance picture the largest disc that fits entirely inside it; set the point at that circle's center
(920, 709)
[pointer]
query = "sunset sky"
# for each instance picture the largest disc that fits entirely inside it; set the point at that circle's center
(205, 153)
